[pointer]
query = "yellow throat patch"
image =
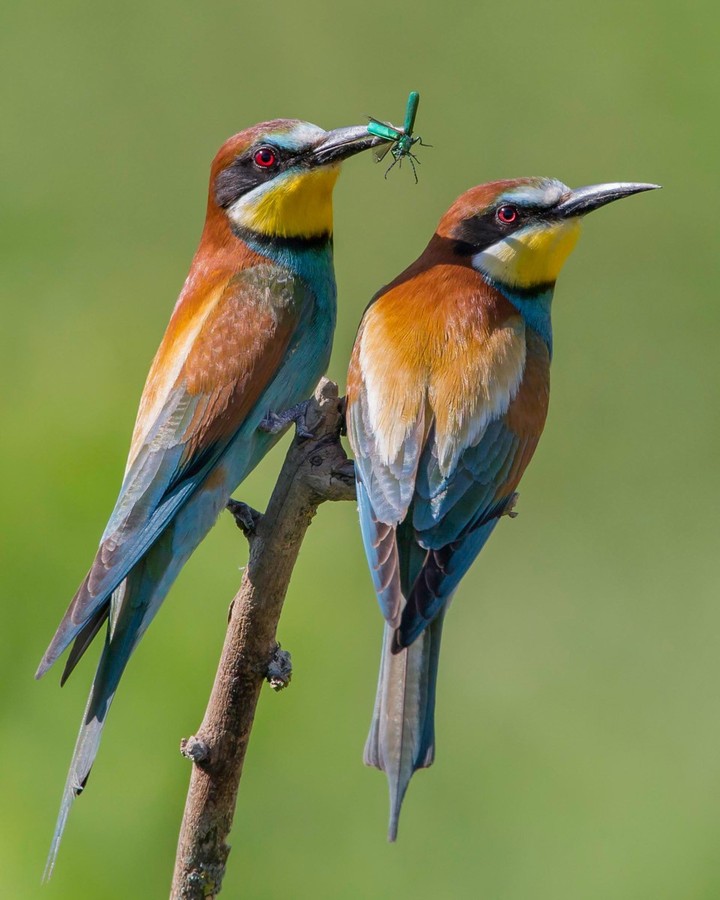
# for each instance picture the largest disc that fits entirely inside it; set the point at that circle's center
(532, 257)
(297, 205)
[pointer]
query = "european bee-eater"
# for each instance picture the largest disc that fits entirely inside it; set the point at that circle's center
(250, 335)
(447, 396)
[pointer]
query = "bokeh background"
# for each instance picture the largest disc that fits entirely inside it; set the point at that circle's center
(579, 703)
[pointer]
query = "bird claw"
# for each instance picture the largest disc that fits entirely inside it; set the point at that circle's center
(274, 423)
(343, 416)
(510, 510)
(246, 518)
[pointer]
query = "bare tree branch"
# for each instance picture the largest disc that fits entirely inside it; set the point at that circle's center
(315, 469)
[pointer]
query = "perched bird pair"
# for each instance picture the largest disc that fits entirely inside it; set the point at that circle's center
(447, 396)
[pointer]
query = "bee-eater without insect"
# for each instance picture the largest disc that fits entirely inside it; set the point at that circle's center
(447, 397)
(250, 335)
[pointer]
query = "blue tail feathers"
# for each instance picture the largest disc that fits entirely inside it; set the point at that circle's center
(402, 733)
(86, 746)
(133, 605)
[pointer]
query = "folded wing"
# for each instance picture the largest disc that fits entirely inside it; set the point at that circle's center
(214, 363)
(441, 439)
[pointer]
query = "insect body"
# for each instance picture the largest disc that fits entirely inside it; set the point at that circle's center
(402, 138)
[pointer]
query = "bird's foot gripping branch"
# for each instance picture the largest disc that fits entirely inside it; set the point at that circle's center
(275, 422)
(315, 469)
(246, 518)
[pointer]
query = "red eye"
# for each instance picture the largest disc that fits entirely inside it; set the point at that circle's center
(507, 215)
(265, 157)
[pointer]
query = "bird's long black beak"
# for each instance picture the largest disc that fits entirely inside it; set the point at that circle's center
(342, 143)
(586, 199)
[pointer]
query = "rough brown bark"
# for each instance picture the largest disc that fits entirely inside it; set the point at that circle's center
(315, 469)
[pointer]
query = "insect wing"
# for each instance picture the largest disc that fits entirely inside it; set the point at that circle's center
(379, 153)
(383, 129)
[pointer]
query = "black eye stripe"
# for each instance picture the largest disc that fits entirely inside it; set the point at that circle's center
(479, 232)
(244, 174)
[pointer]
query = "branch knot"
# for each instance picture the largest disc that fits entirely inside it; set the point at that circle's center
(195, 749)
(279, 670)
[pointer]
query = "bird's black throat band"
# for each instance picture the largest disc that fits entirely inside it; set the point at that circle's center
(248, 236)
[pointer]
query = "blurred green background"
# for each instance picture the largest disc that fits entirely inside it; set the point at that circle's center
(578, 710)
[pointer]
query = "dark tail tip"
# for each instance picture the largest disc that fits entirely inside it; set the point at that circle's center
(396, 645)
(408, 632)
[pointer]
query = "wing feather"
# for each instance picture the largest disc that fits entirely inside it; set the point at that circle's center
(385, 463)
(230, 360)
(454, 516)
(444, 412)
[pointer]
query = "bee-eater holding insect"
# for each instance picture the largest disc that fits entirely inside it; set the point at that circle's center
(447, 396)
(249, 337)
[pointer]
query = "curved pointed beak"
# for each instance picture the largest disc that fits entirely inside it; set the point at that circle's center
(342, 143)
(586, 199)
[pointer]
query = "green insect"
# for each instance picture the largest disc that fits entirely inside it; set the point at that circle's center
(402, 138)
